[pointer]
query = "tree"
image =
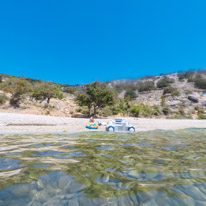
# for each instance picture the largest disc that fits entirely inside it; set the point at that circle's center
(96, 96)
(18, 87)
(83, 99)
(47, 91)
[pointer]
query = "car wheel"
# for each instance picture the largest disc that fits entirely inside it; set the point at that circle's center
(131, 130)
(111, 129)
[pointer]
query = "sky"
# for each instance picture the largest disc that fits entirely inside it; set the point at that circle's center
(78, 41)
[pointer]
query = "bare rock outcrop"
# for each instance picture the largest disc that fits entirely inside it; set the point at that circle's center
(193, 99)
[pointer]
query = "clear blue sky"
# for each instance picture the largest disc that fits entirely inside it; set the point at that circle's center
(78, 41)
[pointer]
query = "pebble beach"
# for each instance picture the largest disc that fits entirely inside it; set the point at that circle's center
(29, 123)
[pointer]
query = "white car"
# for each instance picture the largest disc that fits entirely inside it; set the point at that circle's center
(119, 125)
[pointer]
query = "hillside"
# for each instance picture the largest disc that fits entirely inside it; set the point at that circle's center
(152, 96)
(177, 95)
(28, 104)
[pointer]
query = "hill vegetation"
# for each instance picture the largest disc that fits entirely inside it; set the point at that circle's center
(177, 95)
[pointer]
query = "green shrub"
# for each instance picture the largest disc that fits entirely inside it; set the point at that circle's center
(190, 79)
(193, 112)
(6, 89)
(85, 110)
(69, 90)
(180, 76)
(166, 110)
(3, 99)
(188, 92)
(15, 101)
(147, 111)
(130, 94)
(196, 108)
(181, 111)
(118, 88)
(135, 111)
(164, 82)
(114, 110)
(200, 83)
(175, 93)
(146, 86)
(162, 100)
(79, 109)
(186, 75)
(171, 90)
(201, 113)
(201, 116)
(105, 112)
(18, 87)
(167, 90)
(142, 110)
(117, 110)
(125, 86)
(178, 116)
(120, 107)
(156, 110)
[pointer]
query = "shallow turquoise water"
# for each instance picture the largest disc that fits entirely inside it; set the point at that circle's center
(146, 168)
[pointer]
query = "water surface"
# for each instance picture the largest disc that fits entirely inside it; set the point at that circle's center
(146, 168)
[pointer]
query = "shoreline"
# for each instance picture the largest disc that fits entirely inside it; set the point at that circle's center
(30, 123)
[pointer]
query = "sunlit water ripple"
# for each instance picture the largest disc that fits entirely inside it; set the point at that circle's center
(147, 168)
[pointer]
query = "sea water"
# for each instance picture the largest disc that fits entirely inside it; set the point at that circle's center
(145, 168)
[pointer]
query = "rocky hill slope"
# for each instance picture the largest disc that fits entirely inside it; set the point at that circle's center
(153, 96)
(177, 95)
